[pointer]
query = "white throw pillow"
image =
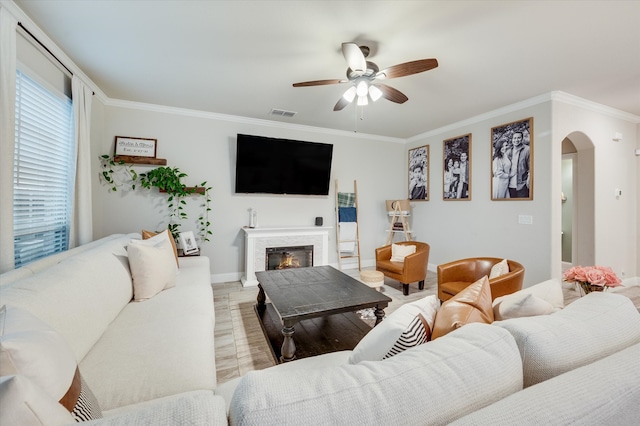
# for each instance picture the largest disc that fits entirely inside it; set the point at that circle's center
(550, 290)
(153, 266)
(499, 268)
(400, 251)
(393, 334)
(518, 305)
(30, 348)
(23, 403)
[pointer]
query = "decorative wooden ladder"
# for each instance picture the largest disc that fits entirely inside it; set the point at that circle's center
(356, 251)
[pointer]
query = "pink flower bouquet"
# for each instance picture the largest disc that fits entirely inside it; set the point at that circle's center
(592, 278)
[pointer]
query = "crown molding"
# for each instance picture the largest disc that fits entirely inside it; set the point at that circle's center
(594, 106)
(245, 120)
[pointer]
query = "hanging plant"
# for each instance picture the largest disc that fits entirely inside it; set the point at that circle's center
(166, 179)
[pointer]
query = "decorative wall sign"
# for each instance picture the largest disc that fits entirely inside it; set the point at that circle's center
(456, 153)
(512, 161)
(419, 173)
(188, 242)
(136, 147)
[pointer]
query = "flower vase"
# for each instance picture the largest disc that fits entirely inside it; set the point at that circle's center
(587, 288)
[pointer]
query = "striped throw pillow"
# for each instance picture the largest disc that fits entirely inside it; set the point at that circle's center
(417, 333)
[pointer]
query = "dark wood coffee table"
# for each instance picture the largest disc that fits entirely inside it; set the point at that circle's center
(303, 293)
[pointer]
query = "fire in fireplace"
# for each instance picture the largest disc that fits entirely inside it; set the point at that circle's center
(288, 257)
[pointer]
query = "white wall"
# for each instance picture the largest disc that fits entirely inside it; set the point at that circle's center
(615, 167)
(203, 146)
(458, 229)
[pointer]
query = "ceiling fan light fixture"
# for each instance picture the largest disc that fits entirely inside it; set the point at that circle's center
(362, 88)
(362, 100)
(350, 94)
(375, 93)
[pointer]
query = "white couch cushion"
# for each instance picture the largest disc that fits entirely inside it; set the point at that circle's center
(519, 305)
(422, 384)
(78, 297)
(591, 328)
(603, 393)
(200, 407)
(160, 347)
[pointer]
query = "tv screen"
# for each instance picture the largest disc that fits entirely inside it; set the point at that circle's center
(282, 166)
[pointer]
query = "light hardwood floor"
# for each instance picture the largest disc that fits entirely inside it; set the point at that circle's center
(241, 345)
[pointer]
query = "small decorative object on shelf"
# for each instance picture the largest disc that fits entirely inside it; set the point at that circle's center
(592, 278)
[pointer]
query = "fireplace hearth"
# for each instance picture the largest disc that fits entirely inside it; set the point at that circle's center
(288, 257)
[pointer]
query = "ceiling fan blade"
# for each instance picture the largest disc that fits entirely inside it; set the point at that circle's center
(408, 68)
(342, 102)
(318, 83)
(394, 95)
(354, 57)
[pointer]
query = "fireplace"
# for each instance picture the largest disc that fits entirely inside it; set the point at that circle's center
(257, 240)
(288, 257)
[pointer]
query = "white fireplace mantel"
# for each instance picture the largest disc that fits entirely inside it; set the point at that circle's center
(257, 240)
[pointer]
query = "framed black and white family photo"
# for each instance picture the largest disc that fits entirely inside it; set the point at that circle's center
(456, 154)
(419, 173)
(512, 161)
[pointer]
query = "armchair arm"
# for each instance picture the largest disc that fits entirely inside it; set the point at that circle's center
(383, 253)
(458, 270)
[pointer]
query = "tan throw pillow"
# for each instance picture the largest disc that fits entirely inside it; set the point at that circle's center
(152, 266)
(148, 234)
(409, 325)
(499, 268)
(400, 251)
(473, 304)
(30, 348)
(519, 305)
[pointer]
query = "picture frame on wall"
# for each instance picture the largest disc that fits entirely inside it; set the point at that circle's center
(188, 242)
(512, 161)
(456, 153)
(419, 173)
(136, 147)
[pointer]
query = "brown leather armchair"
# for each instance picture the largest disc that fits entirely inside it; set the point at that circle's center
(413, 269)
(455, 276)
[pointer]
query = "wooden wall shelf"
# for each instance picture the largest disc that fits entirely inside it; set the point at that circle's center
(140, 160)
(196, 189)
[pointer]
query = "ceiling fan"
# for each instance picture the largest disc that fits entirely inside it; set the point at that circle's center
(364, 76)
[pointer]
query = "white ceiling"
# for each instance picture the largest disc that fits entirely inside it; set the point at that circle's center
(241, 57)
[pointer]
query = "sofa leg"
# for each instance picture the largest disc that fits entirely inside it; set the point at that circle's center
(421, 285)
(405, 289)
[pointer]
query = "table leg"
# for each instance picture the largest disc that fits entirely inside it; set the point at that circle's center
(261, 300)
(379, 315)
(288, 350)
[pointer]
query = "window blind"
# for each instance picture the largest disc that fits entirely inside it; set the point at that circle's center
(43, 171)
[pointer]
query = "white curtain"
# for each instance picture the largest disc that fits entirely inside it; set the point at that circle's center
(8, 26)
(81, 231)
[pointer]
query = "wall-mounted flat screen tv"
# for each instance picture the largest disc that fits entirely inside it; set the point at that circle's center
(282, 166)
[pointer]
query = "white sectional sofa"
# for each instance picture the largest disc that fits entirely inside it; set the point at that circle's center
(579, 365)
(146, 362)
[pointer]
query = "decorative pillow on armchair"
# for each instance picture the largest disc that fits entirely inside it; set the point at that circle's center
(30, 348)
(409, 325)
(400, 251)
(473, 304)
(499, 268)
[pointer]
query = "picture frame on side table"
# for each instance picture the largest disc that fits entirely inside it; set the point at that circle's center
(512, 161)
(456, 175)
(419, 173)
(136, 147)
(188, 242)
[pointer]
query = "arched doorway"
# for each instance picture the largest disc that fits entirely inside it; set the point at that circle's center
(578, 154)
